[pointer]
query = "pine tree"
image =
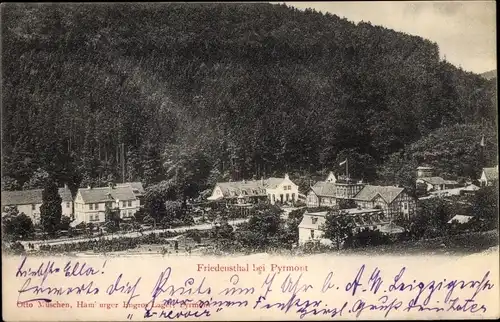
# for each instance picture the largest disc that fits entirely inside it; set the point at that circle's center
(51, 209)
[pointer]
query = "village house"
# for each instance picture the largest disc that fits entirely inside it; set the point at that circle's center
(394, 201)
(137, 189)
(29, 202)
(273, 190)
(91, 203)
(321, 194)
(311, 226)
(328, 193)
(489, 176)
(426, 180)
(462, 191)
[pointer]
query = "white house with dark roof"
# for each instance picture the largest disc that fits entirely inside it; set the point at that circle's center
(91, 203)
(274, 190)
(29, 202)
(489, 176)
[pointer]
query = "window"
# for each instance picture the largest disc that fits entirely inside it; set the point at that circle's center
(67, 205)
(405, 205)
(123, 204)
(96, 206)
(314, 220)
(312, 233)
(90, 206)
(289, 187)
(33, 207)
(287, 196)
(293, 197)
(130, 203)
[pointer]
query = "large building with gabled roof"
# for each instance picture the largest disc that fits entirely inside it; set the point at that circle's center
(273, 190)
(29, 202)
(91, 203)
(394, 201)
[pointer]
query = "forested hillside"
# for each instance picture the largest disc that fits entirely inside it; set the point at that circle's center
(200, 92)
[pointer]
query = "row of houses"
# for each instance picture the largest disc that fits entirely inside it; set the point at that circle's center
(89, 204)
(373, 219)
(427, 179)
(374, 206)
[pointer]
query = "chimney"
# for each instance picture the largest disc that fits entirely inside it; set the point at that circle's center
(65, 187)
(89, 187)
(287, 177)
(262, 180)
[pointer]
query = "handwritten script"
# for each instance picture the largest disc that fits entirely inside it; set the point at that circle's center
(176, 294)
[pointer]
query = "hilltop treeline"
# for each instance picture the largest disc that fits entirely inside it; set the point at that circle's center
(204, 92)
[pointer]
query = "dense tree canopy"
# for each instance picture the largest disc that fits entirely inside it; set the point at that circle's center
(251, 89)
(51, 209)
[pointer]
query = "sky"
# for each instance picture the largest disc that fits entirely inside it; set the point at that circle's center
(465, 31)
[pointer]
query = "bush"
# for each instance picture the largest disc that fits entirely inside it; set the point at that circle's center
(368, 237)
(194, 235)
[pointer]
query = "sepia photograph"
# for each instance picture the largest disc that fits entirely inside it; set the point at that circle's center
(220, 136)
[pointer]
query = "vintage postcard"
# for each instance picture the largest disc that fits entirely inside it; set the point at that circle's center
(249, 161)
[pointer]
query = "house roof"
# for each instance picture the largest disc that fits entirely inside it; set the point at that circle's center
(248, 187)
(362, 211)
(360, 218)
(437, 180)
(471, 187)
(25, 197)
(461, 219)
(369, 192)
(324, 189)
(391, 228)
(101, 194)
(137, 187)
(491, 173)
(307, 220)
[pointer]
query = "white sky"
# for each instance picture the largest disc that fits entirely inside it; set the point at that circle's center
(464, 30)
